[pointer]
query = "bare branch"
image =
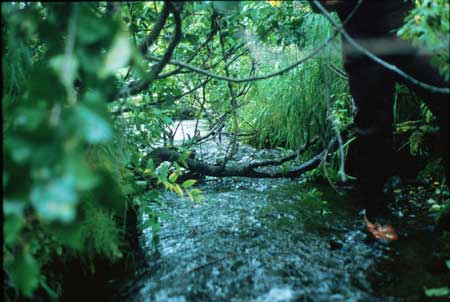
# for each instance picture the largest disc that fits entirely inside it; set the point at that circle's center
(249, 79)
(196, 52)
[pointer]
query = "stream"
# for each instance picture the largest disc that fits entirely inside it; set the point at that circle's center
(277, 240)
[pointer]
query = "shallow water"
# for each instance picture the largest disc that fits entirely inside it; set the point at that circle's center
(272, 240)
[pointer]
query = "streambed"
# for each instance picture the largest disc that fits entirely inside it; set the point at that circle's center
(274, 240)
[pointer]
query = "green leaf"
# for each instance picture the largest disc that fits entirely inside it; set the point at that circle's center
(69, 235)
(52, 294)
(164, 216)
(173, 177)
(147, 224)
(225, 7)
(128, 189)
(118, 56)
(13, 207)
(5, 179)
(141, 183)
(163, 170)
(150, 164)
(12, 226)
(24, 273)
(190, 195)
(435, 208)
(184, 163)
(189, 183)
(195, 192)
(30, 118)
(78, 173)
(185, 155)
(437, 292)
(94, 127)
(156, 227)
(90, 28)
(45, 85)
(55, 200)
(19, 148)
(431, 201)
(177, 189)
(66, 68)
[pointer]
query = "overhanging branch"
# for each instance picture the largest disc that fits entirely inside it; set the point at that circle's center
(156, 29)
(156, 69)
(248, 79)
(375, 58)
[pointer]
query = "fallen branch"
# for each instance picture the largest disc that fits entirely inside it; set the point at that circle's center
(165, 154)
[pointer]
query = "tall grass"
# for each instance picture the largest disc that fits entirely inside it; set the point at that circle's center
(281, 109)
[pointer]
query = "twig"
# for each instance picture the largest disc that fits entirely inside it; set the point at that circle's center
(340, 73)
(233, 146)
(196, 52)
(205, 265)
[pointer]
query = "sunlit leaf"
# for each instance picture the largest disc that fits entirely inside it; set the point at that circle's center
(275, 3)
(177, 189)
(55, 200)
(435, 208)
(173, 177)
(118, 56)
(437, 292)
(190, 195)
(189, 183)
(66, 67)
(95, 128)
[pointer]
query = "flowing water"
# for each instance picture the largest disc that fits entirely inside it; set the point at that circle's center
(276, 240)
